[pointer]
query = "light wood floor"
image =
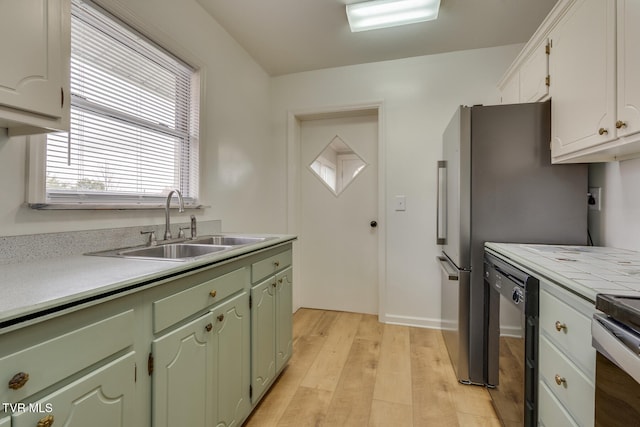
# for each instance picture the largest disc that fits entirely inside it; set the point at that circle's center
(349, 370)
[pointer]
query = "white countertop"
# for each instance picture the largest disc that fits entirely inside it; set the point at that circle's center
(585, 270)
(37, 286)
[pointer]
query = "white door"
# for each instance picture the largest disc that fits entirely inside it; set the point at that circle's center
(339, 189)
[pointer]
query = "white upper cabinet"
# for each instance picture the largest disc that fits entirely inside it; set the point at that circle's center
(34, 77)
(534, 74)
(582, 69)
(628, 118)
(593, 64)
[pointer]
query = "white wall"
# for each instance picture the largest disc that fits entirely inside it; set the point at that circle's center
(237, 178)
(420, 95)
(618, 223)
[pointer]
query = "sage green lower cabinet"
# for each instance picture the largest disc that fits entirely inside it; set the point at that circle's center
(271, 330)
(231, 368)
(263, 337)
(102, 398)
(284, 324)
(183, 375)
(198, 348)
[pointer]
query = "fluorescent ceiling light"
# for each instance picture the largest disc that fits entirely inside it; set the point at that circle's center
(371, 15)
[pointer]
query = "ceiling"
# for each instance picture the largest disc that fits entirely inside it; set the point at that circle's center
(289, 36)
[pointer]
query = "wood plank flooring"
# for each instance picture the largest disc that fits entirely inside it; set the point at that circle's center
(348, 369)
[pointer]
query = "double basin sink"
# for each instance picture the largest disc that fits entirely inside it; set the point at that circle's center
(187, 249)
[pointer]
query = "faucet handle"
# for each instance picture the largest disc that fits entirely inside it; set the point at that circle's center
(181, 231)
(152, 237)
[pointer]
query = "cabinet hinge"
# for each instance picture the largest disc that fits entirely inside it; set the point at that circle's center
(135, 373)
(250, 391)
(250, 301)
(150, 364)
(547, 80)
(547, 48)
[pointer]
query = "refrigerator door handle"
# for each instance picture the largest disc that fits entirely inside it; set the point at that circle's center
(445, 265)
(441, 204)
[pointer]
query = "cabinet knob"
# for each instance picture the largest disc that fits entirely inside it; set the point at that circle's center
(561, 380)
(560, 326)
(46, 421)
(213, 294)
(209, 327)
(603, 131)
(277, 263)
(620, 124)
(274, 284)
(221, 318)
(18, 380)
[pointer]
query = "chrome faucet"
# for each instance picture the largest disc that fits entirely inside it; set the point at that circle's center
(167, 228)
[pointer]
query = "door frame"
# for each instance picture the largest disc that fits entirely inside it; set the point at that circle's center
(294, 197)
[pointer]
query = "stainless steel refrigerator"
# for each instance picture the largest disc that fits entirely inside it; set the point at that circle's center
(496, 183)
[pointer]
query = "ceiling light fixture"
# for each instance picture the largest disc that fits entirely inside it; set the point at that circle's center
(371, 15)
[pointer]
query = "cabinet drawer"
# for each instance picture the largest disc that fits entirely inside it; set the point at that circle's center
(576, 391)
(103, 397)
(53, 360)
(552, 413)
(574, 334)
(268, 266)
(176, 307)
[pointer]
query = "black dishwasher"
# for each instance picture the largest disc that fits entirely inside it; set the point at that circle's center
(511, 325)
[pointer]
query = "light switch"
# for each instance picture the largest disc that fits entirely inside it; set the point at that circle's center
(401, 203)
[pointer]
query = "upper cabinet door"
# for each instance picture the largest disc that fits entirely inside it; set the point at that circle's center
(31, 45)
(582, 67)
(534, 75)
(628, 120)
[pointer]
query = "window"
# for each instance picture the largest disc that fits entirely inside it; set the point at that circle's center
(134, 119)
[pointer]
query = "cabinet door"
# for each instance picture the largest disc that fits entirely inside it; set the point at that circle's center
(31, 45)
(263, 336)
(582, 66)
(284, 318)
(183, 367)
(628, 120)
(231, 341)
(103, 398)
(533, 75)
(510, 90)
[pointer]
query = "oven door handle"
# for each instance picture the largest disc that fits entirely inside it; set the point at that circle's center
(445, 265)
(615, 342)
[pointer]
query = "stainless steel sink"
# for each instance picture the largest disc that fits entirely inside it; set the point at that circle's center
(173, 251)
(228, 240)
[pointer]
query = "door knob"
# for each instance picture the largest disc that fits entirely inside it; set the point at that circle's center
(373, 224)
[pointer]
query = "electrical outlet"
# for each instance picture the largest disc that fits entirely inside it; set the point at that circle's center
(594, 198)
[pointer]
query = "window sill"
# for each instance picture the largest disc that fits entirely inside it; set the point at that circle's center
(106, 206)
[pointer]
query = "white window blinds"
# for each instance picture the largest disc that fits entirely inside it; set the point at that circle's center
(134, 119)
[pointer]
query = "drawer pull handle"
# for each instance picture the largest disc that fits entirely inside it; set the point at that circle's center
(603, 131)
(620, 124)
(560, 326)
(561, 380)
(213, 294)
(279, 280)
(18, 380)
(274, 284)
(209, 327)
(277, 263)
(221, 318)
(46, 421)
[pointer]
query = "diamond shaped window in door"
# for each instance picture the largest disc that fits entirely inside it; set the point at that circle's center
(337, 165)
